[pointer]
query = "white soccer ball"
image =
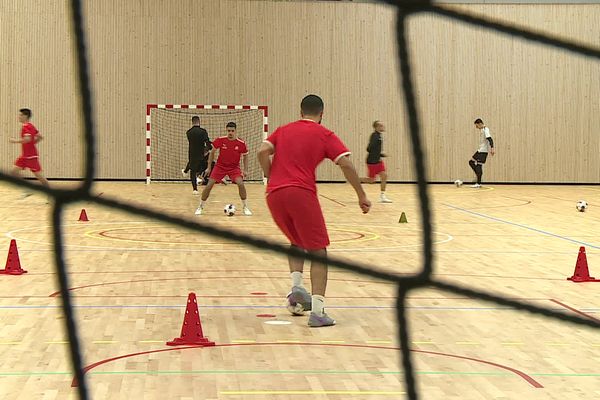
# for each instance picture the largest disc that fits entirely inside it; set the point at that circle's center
(458, 183)
(294, 308)
(582, 205)
(229, 210)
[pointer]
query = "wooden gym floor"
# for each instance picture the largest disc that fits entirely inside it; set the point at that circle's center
(130, 279)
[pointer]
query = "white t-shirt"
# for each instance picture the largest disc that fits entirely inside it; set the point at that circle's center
(484, 144)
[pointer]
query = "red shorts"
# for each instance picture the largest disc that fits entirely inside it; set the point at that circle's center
(297, 212)
(218, 173)
(376, 169)
(32, 164)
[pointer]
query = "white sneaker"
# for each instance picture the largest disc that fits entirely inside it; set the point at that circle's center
(199, 180)
(476, 186)
(383, 199)
(199, 211)
(195, 193)
(183, 173)
(247, 211)
(224, 182)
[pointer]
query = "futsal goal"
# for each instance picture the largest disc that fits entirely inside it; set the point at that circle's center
(166, 140)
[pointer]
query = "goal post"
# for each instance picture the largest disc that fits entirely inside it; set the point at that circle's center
(166, 141)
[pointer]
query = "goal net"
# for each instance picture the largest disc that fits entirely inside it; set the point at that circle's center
(166, 140)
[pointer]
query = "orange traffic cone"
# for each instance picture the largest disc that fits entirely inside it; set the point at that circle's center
(13, 263)
(83, 216)
(582, 272)
(191, 331)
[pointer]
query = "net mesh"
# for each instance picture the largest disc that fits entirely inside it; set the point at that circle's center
(405, 284)
(169, 145)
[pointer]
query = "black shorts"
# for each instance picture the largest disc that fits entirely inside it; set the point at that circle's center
(198, 165)
(480, 157)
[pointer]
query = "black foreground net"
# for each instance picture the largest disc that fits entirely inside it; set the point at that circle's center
(169, 145)
(405, 283)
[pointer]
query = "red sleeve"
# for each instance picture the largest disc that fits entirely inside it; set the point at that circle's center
(29, 130)
(217, 143)
(335, 148)
(244, 149)
(273, 137)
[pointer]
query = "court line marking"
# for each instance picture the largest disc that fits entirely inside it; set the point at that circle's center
(522, 226)
(308, 392)
(514, 371)
(333, 200)
(576, 311)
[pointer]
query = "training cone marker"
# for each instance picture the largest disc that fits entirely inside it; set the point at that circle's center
(403, 219)
(13, 263)
(191, 331)
(582, 273)
(83, 216)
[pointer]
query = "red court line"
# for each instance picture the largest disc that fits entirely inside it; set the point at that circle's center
(195, 279)
(576, 311)
(334, 200)
(521, 374)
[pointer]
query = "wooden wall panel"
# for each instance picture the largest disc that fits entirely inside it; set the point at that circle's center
(542, 104)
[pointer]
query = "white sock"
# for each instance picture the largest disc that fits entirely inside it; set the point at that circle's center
(297, 279)
(318, 303)
(382, 194)
(245, 203)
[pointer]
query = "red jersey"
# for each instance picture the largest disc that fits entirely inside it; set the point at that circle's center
(299, 149)
(28, 149)
(230, 151)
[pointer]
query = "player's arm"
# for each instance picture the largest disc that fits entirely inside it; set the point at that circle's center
(352, 177)
(490, 140)
(245, 164)
(23, 140)
(264, 157)
(211, 158)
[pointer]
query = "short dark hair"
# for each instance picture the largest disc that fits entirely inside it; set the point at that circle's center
(478, 121)
(312, 105)
(231, 125)
(195, 119)
(376, 123)
(26, 112)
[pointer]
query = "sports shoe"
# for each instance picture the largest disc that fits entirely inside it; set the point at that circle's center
(315, 321)
(247, 211)
(476, 186)
(198, 180)
(195, 193)
(383, 199)
(183, 173)
(199, 211)
(299, 295)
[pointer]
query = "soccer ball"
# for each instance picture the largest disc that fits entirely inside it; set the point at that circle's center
(229, 210)
(293, 307)
(458, 183)
(582, 205)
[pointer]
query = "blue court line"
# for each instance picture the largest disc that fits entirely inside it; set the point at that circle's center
(589, 310)
(523, 226)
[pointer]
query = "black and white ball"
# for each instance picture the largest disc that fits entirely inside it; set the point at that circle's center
(229, 210)
(458, 183)
(582, 205)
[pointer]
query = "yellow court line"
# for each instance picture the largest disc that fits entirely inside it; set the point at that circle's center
(151, 341)
(104, 341)
(289, 341)
(512, 343)
(308, 392)
(557, 344)
(379, 341)
(468, 343)
(57, 342)
(423, 342)
(333, 341)
(9, 343)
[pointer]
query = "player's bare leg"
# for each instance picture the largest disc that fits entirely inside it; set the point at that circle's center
(41, 179)
(318, 278)
(239, 181)
(367, 180)
(298, 294)
(205, 194)
(16, 172)
(383, 177)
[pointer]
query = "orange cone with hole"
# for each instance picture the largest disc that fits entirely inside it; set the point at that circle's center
(13, 263)
(191, 331)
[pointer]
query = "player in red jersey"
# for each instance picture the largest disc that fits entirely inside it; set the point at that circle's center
(231, 150)
(297, 149)
(29, 158)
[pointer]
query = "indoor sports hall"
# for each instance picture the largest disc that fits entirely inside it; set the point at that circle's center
(457, 158)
